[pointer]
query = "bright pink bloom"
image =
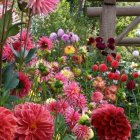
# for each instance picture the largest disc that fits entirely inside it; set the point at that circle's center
(71, 117)
(42, 6)
(71, 88)
(58, 107)
(111, 123)
(23, 87)
(34, 122)
(82, 132)
(8, 54)
(77, 101)
(61, 77)
(45, 43)
(97, 96)
(7, 124)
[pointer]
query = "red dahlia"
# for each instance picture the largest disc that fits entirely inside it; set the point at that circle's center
(109, 58)
(135, 74)
(111, 123)
(23, 87)
(123, 78)
(114, 64)
(95, 67)
(103, 67)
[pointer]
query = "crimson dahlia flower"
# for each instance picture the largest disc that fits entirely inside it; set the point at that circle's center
(111, 123)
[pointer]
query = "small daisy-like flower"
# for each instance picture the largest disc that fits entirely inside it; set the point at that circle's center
(45, 43)
(34, 122)
(69, 50)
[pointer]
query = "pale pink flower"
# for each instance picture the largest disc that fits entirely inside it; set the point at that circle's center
(42, 6)
(82, 132)
(7, 124)
(71, 117)
(77, 101)
(34, 122)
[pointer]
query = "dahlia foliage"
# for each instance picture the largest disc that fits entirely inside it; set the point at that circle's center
(57, 88)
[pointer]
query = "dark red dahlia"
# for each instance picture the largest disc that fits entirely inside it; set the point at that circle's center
(101, 46)
(111, 123)
(91, 40)
(131, 85)
(111, 41)
(111, 46)
(23, 87)
(99, 39)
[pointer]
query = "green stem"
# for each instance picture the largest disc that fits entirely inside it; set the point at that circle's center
(1, 41)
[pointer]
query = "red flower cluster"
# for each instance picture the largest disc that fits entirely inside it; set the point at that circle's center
(111, 123)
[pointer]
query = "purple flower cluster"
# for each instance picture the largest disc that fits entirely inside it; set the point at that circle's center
(68, 37)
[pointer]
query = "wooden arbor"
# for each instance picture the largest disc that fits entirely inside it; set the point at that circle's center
(108, 14)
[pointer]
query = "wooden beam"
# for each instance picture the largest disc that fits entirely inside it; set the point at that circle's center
(129, 42)
(107, 21)
(135, 22)
(120, 11)
(110, 2)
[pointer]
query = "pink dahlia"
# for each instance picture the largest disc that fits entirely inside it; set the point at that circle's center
(58, 107)
(71, 88)
(23, 87)
(97, 96)
(77, 101)
(42, 6)
(71, 117)
(7, 124)
(61, 77)
(34, 122)
(111, 123)
(45, 43)
(8, 54)
(82, 132)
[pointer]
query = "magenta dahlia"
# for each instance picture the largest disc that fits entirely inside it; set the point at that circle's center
(7, 124)
(42, 6)
(23, 87)
(111, 123)
(45, 43)
(71, 117)
(34, 122)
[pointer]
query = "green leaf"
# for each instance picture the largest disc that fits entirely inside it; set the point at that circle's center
(10, 78)
(69, 137)
(30, 55)
(13, 30)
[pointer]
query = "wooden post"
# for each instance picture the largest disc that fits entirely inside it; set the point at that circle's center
(108, 19)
